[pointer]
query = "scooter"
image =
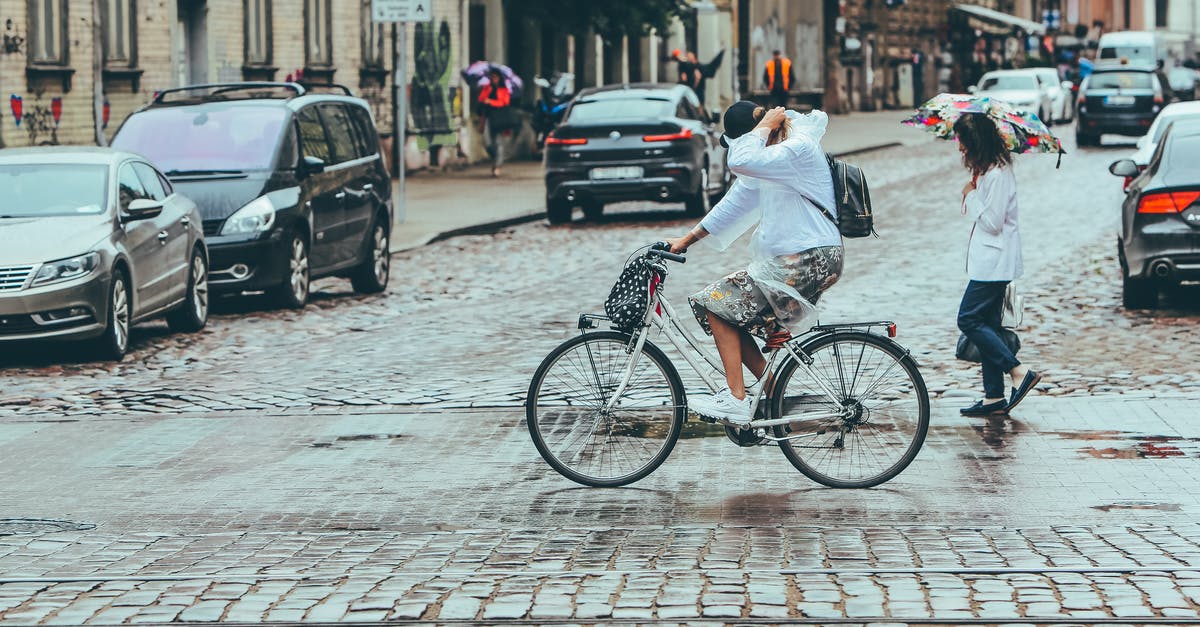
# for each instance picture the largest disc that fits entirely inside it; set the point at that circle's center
(556, 96)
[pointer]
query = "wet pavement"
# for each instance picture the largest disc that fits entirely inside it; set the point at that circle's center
(366, 459)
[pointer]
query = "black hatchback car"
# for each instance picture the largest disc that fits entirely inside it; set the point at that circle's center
(291, 184)
(642, 141)
(1159, 243)
(1121, 99)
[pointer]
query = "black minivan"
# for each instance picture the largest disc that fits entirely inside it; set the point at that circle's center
(291, 184)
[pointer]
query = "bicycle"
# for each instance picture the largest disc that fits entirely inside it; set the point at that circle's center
(605, 408)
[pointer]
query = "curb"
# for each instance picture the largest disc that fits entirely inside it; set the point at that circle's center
(484, 228)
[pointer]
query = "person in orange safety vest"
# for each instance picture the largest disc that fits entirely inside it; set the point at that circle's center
(778, 77)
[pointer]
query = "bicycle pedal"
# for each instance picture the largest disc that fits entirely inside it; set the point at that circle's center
(708, 419)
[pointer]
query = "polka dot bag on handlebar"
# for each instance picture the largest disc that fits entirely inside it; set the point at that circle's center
(630, 296)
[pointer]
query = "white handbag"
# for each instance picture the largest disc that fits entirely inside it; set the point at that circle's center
(1012, 312)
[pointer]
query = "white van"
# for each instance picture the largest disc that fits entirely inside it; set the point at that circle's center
(1133, 46)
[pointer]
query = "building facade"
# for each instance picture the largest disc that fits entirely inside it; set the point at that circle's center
(74, 69)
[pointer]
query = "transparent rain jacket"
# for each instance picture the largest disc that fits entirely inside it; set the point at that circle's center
(773, 189)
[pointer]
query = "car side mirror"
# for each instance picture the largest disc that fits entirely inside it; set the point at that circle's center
(312, 165)
(1067, 85)
(1124, 167)
(972, 89)
(142, 209)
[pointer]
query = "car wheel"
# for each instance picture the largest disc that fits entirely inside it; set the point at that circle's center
(1138, 293)
(698, 203)
(293, 292)
(593, 210)
(558, 211)
(192, 315)
(114, 343)
(1082, 140)
(371, 276)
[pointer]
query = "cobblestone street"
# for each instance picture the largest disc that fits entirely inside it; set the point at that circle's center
(366, 459)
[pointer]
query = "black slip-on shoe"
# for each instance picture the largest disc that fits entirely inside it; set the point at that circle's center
(1031, 379)
(980, 409)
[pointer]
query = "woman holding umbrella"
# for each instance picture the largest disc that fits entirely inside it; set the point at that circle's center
(988, 131)
(993, 260)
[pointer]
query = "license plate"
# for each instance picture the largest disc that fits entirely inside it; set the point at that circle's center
(1119, 101)
(622, 172)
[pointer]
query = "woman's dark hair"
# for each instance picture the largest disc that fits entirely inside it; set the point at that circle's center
(983, 147)
(779, 133)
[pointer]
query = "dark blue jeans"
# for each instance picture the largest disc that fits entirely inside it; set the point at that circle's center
(979, 319)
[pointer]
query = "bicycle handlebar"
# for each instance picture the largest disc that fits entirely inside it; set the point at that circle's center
(662, 250)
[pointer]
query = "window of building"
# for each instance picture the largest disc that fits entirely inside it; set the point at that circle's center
(119, 33)
(373, 40)
(47, 32)
(258, 32)
(318, 33)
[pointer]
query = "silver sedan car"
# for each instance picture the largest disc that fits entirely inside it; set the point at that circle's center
(92, 241)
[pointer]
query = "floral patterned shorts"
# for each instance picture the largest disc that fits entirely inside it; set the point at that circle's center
(737, 300)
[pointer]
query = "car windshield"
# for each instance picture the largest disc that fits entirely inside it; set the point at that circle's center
(611, 109)
(1120, 80)
(206, 138)
(37, 190)
(1133, 53)
(1009, 81)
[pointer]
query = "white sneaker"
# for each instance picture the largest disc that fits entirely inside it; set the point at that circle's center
(722, 406)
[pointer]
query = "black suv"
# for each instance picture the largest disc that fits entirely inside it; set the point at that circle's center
(291, 183)
(1120, 98)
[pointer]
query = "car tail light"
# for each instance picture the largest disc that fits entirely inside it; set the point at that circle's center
(684, 134)
(565, 141)
(1167, 202)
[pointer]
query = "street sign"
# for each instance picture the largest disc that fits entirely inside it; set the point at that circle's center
(402, 10)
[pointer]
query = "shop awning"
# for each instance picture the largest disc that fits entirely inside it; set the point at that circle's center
(1004, 21)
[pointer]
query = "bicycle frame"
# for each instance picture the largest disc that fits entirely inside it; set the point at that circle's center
(660, 315)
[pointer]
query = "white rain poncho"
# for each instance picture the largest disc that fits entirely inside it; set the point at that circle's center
(773, 189)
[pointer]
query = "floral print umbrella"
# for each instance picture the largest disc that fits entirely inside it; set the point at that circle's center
(1022, 131)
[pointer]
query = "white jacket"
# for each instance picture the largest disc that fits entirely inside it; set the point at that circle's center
(773, 189)
(994, 247)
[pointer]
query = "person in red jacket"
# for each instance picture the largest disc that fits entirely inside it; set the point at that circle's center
(499, 118)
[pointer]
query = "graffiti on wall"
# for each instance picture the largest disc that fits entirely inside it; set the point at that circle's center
(430, 96)
(14, 43)
(39, 119)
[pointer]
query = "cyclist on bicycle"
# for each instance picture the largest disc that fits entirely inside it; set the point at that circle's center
(797, 250)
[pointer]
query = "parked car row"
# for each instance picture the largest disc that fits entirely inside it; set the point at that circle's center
(225, 188)
(1036, 90)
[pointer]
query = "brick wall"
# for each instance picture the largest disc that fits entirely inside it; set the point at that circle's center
(434, 59)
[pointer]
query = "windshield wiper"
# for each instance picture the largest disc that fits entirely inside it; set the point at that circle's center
(200, 172)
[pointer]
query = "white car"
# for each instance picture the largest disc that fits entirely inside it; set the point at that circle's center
(1019, 88)
(1149, 142)
(1062, 100)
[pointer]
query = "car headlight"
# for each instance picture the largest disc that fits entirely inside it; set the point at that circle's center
(66, 269)
(258, 215)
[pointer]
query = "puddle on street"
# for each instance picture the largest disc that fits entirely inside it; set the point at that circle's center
(1142, 505)
(1127, 445)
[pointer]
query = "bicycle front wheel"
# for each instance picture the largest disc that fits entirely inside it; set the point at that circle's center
(870, 429)
(572, 427)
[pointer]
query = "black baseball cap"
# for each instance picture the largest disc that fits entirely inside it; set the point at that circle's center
(738, 120)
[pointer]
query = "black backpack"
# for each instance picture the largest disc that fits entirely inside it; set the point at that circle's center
(852, 200)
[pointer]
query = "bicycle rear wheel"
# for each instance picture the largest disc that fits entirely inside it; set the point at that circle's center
(880, 399)
(578, 437)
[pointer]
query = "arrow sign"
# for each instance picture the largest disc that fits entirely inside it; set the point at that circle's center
(402, 10)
